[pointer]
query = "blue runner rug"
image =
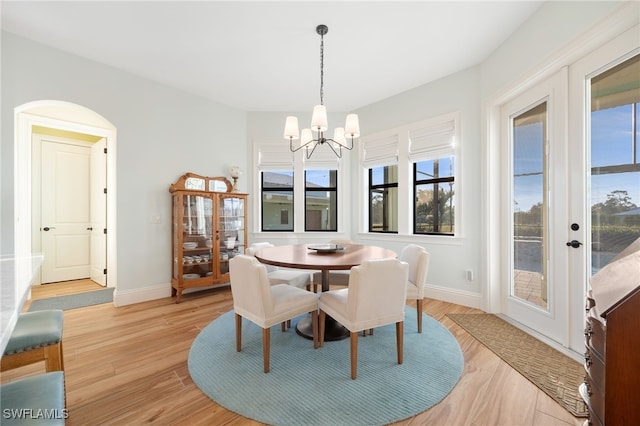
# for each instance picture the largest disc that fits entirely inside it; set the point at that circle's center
(73, 301)
(314, 387)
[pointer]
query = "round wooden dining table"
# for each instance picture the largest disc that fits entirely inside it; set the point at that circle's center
(303, 256)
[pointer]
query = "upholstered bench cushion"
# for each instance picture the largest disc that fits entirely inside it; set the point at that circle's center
(36, 400)
(35, 329)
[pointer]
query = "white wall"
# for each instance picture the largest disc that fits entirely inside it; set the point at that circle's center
(162, 133)
(456, 93)
(554, 25)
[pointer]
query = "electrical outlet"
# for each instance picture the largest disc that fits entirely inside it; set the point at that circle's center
(469, 275)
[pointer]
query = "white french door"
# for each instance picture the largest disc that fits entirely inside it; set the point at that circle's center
(571, 186)
(605, 171)
(535, 208)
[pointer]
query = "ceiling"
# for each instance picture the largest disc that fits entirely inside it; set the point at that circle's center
(265, 55)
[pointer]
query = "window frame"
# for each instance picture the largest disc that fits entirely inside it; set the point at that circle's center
(270, 190)
(270, 155)
(434, 181)
(406, 158)
(330, 188)
(379, 187)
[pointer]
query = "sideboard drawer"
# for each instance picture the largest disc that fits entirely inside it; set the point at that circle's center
(594, 367)
(596, 398)
(595, 333)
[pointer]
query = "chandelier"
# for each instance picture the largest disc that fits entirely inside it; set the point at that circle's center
(342, 136)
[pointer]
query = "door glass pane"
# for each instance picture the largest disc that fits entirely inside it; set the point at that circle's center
(615, 165)
(529, 206)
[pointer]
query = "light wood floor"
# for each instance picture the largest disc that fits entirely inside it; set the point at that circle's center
(128, 366)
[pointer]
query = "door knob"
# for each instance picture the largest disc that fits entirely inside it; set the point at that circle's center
(46, 228)
(574, 243)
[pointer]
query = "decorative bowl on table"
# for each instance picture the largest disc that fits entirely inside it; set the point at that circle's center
(325, 248)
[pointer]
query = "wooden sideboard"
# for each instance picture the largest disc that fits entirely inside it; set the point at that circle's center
(611, 388)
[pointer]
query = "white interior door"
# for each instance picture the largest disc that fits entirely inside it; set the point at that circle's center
(535, 208)
(65, 214)
(98, 212)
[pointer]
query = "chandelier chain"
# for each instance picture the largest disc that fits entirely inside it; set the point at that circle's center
(321, 69)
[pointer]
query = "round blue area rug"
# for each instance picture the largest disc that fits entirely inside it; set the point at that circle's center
(314, 387)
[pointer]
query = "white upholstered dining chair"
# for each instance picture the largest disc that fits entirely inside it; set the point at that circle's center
(418, 259)
(277, 275)
(375, 297)
(264, 304)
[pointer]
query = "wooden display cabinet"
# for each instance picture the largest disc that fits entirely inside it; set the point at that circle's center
(208, 228)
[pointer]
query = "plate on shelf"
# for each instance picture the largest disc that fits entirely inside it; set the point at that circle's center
(191, 276)
(326, 248)
(189, 245)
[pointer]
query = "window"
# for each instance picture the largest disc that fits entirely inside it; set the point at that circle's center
(383, 199)
(434, 208)
(277, 200)
(321, 195)
(412, 180)
(290, 186)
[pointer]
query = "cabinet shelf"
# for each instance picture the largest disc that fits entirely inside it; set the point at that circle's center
(201, 208)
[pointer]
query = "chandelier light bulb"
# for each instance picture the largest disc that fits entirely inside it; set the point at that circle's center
(291, 128)
(306, 137)
(352, 126)
(319, 118)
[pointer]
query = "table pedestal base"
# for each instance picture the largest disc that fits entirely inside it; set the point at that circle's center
(333, 330)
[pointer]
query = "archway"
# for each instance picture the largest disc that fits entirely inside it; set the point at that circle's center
(68, 117)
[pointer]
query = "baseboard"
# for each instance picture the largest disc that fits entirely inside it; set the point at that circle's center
(459, 297)
(129, 297)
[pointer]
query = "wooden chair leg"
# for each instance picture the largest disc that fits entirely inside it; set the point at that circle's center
(283, 326)
(400, 340)
(53, 358)
(419, 311)
(323, 317)
(354, 354)
(266, 347)
(238, 333)
(314, 326)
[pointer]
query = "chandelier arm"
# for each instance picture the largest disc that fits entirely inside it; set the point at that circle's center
(338, 153)
(292, 149)
(310, 152)
(349, 147)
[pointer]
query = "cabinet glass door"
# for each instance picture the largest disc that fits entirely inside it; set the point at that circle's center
(196, 236)
(232, 230)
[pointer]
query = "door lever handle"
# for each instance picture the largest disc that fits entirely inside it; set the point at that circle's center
(574, 243)
(46, 228)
